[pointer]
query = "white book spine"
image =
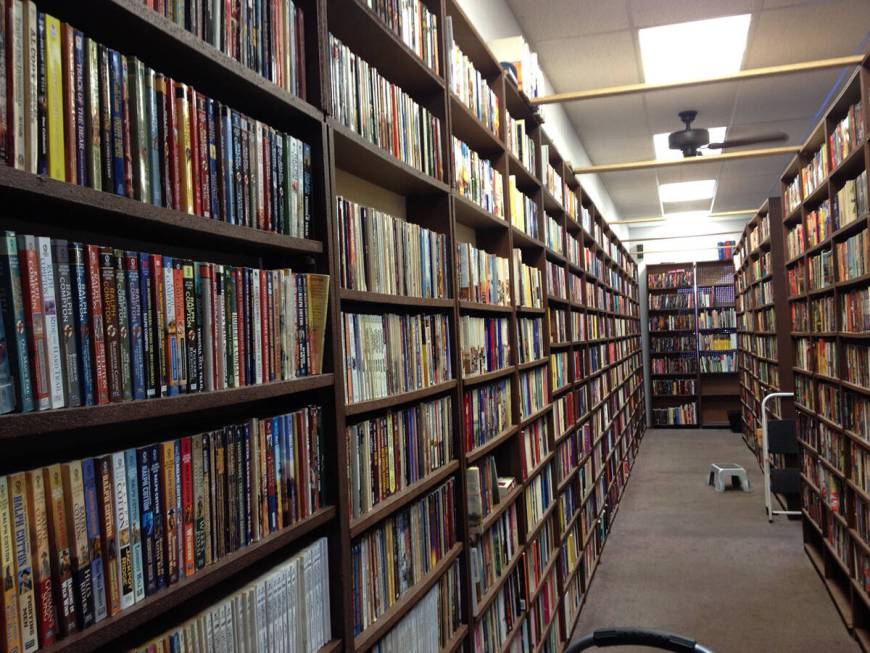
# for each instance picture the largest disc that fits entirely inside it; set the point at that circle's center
(52, 338)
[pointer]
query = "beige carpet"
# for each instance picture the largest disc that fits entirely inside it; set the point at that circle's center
(685, 558)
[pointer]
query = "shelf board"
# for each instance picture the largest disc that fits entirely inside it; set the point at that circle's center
(497, 441)
(522, 239)
(402, 498)
(471, 131)
(27, 425)
(111, 630)
(471, 215)
(355, 155)
(485, 601)
(485, 377)
(503, 504)
(383, 624)
(365, 297)
(484, 308)
(525, 177)
(361, 407)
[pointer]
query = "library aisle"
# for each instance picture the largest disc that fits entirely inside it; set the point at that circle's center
(705, 565)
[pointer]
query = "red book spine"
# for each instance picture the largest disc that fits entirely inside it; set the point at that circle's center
(125, 129)
(240, 309)
(69, 103)
(195, 155)
(101, 382)
(31, 285)
(204, 181)
(187, 506)
(172, 144)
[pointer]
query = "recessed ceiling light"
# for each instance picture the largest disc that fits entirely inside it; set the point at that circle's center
(687, 191)
(700, 48)
(665, 153)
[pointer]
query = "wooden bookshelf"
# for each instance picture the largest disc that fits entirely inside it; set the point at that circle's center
(827, 379)
(343, 163)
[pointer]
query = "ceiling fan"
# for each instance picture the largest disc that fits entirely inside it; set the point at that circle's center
(690, 141)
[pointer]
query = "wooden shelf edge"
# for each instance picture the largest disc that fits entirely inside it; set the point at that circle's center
(372, 405)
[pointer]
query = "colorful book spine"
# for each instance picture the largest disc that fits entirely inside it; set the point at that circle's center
(97, 324)
(95, 539)
(50, 317)
(123, 538)
(132, 467)
(12, 306)
(11, 631)
(34, 320)
(135, 315)
(46, 621)
(67, 323)
(77, 531)
(54, 98)
(24, 575)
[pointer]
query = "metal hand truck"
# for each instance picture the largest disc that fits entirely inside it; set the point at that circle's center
(637, 637)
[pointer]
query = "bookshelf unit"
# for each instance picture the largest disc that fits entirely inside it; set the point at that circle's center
(597, 358)
(765, 352)
(824, 191)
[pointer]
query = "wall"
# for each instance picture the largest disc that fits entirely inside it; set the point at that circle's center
(700, 248)
(494, 20)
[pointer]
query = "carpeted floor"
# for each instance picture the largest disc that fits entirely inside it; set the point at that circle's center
(685, 558)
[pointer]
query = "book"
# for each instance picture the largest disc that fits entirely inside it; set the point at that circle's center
(54, 99)
(12, 307)
(9, 596)
(47, 625)
(50, 317)
(131, 466)
(76, 530)
(484, 344)
(95, 533)
(25, 578)
(67, 323)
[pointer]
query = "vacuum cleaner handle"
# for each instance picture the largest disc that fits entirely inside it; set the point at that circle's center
(637, 637)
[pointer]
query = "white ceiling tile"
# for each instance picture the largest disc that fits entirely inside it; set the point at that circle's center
(585, 62)
(714, 105)
(605, 148)
(566, 18)
(618, 115)
(776, 4)
(787, 97)
(647, 13)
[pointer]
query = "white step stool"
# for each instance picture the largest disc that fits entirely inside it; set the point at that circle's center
(720, 472)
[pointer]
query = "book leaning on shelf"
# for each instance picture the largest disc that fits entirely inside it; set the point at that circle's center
(95, 325)
(287, 608)
(99, 535)
(392, 452)
(382, 113)
(88, 115)
(390, 354)
(383, 254)
(271, 42)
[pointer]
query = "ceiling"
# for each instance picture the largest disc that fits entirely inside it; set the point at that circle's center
(584, 44)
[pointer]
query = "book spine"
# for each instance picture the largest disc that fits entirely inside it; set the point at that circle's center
(189, 557)
(124, 340)
(212, 118)
(15, 56)
(110, 320)
(126, 127)
(146, 520)
(171, 347)
(306, 190)
(159, 323)
(37, 346)
(123, 540)
(24, 576)
(49, 312)
(95, 539)
(59, 551)
(105, 108)
(81, 133)
(116, 109)
(97, 325)
(11, 634)
(54, 98)
(12, 306)
(135, 325)
(203, 158)
(155, 456)
(200, 326)
(140, 132)
(76, 526)
(46, 622)
(92, 115)
(67, 324)
(190, 327)
(200, 497)
(208, 497)
(170, 517)
(41, 98)
(110, 540)
(193, 152)
(31, 87)
(80, 324)
(180, 333)
(179, 510)
(68, 103)
(132, 468)
(5, 41)
(146, 325)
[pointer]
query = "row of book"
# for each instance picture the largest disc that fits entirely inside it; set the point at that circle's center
(530, 339)
(494, 551)
(520, 142)
(399, 552)
(718, 363)
(815, 172)
(672, 323)
(485, 490)
(88, 115)
(667, 387)
(270, 39)
(483, 277)
(486, 412)
(847, 134)
(820, 224)
(286, 608)
(685, 414)
(534, 391)
(795, 244)
(851, 201)
(712, 296)
(477, 179)
(382, 113)
(415, 25)
(393, 451)
(485, 344)
(672, 344)
(554, 235)
(671, 279)
(855, 311)
(384, 254)
(470, 86)
(717, 341)
(502, 618)
(89, 325)
(792, 194)
(389, 354)
(528, 283)
(717, 318)
(672, 300)
(524, 210)
(534, 447)
(85, 540)
(675, 364)
(851, 256)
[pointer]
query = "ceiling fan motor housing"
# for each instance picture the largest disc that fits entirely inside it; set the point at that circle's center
(689, 140)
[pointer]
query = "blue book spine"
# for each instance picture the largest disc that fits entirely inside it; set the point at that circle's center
(289, 454)
(277, 450)
(153, 137)
(12, 307)
(117, 117)
(228, 166)
(157, 511)
(133, 504)
(134, 312)
(81, 311)
(212, 160)
(146, 519)
(92, 519)
(7, 386)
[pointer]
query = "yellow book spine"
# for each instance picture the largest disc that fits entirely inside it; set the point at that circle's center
(185, 156)
(54, 99)
(23, 569)
(11, 642)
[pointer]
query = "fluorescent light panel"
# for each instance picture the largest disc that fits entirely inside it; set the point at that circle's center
(697, 49)
(665, 153)
(687, 191)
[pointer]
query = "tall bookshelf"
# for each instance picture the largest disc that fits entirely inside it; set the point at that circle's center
(820, 220)
(717, 342)
(765, 356)
(588, 463)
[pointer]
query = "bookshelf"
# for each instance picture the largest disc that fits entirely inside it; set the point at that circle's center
(591, 373)
(825, 213)
(765, 352)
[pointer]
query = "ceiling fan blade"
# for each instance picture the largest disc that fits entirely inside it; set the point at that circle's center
(775, 137)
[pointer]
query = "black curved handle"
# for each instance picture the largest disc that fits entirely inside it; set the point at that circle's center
(636, 637)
